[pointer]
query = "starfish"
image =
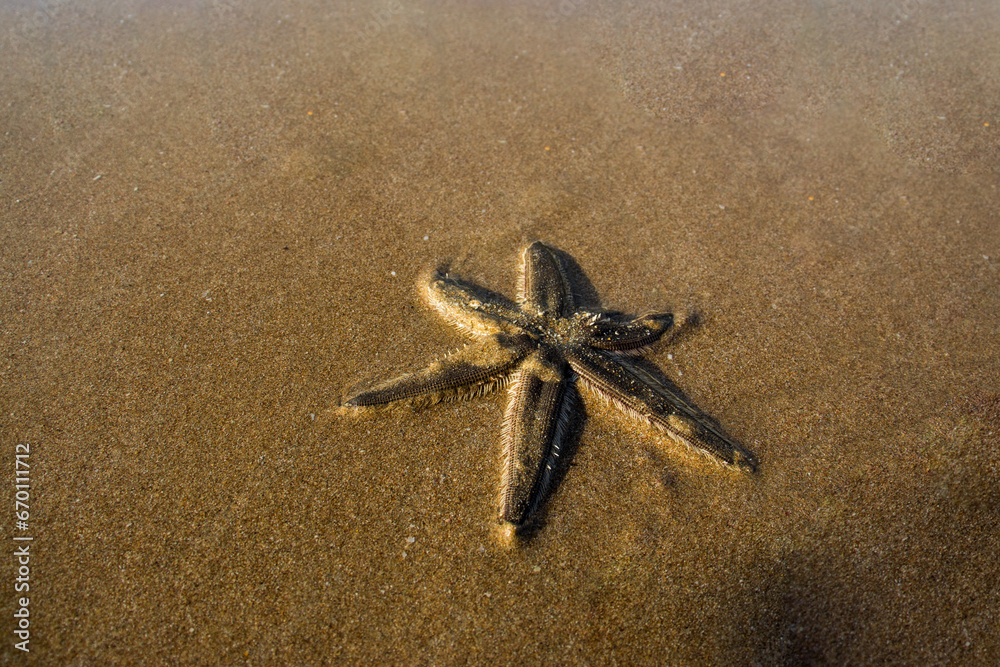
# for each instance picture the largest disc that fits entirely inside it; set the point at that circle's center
(537, 347)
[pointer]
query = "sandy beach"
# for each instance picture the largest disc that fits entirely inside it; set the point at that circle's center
(214, 220)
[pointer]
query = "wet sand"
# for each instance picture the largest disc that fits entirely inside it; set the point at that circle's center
(213, 222)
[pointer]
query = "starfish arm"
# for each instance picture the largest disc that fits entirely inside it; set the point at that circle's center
(640, 394)
(545, 285)
(535, 432)
(474, 370)
(607, 334)
(471, 307)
